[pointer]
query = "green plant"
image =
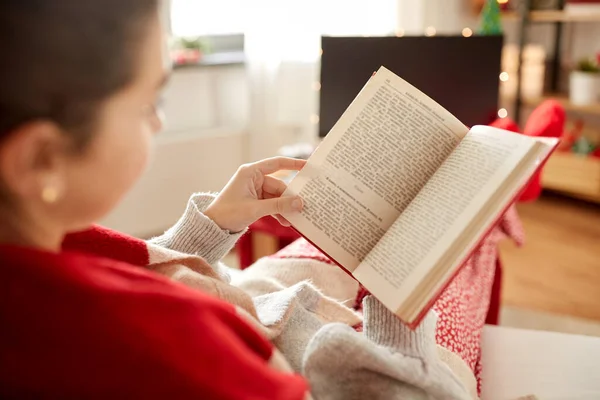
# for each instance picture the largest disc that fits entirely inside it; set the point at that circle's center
(588, 65)
(192, 43)
(490, 19)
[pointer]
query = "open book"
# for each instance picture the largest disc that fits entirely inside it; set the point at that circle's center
(400, 192)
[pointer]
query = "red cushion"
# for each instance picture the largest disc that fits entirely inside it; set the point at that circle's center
(547, 120)
(506, 124)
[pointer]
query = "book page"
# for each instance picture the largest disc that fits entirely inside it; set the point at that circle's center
(373, 162)
(441, 212)
(476, 230)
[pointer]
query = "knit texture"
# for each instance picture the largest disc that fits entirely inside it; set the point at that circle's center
(283, 314)
(106, 243)
(307, 319)
(384, 328)
(388, 362)
(196, 273)
(290, 310)
(278, 299)
(196, 234)
(76, 325)
(462, 307)
(332, 282)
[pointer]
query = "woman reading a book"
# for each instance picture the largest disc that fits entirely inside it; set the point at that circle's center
(90, 313)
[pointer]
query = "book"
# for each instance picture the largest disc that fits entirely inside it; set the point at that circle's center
(400, 192)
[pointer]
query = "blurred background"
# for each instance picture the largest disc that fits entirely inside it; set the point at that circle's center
(249, 77)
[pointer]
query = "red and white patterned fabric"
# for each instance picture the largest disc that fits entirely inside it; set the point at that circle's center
(463, 306)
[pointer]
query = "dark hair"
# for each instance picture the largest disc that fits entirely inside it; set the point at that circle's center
(60, 59)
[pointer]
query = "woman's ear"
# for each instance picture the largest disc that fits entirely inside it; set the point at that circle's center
(33, 160)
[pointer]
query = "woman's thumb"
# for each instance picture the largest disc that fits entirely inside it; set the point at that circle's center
(280, 205)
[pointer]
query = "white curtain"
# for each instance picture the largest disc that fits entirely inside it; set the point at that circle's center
(282, 46)
(283, 53)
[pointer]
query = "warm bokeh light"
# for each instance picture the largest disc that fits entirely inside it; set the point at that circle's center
(430, 31)
(504, 76)
(467, 32)
(502, 1)
(502, 113)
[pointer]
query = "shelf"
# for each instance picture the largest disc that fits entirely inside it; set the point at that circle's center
(562, 16)
(510, 16)
(573, 174)
(554, 16)
(566, 103)
(216, 60)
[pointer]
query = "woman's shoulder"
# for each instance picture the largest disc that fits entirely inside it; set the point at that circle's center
(87, 275)
(80, 286)
(104, 322)
(62, 295)
(41, 267)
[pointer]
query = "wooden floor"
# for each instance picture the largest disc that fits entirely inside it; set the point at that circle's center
(558, 268)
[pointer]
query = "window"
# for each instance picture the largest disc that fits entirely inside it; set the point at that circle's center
(286, 29)
(207, 17)
(331, 17)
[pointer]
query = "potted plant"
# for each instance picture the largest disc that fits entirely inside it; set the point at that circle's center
(585, 82)
(188, 50)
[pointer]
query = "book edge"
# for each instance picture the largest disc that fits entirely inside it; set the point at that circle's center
(414, 323)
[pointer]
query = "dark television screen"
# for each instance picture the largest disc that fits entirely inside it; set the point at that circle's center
(461, 74)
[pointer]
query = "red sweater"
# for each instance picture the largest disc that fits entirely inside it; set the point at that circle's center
(78, 325)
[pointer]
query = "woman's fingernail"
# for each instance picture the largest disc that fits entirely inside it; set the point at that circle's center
(297, 204)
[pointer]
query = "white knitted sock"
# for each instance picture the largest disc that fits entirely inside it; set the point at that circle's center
(293, 315)
(389, 361)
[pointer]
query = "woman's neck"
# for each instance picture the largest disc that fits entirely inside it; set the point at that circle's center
(29, 232)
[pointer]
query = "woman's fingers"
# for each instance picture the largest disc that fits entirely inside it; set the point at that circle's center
(273, 186)
(274, 164)
(278, 217)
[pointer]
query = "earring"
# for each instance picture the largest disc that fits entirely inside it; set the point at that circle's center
(49, 194)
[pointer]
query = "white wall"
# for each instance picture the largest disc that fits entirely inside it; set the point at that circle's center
(200, 98)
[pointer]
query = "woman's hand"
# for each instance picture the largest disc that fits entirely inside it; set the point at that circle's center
(252, 194)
